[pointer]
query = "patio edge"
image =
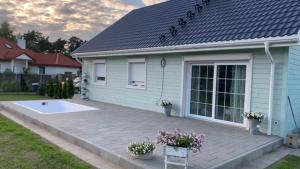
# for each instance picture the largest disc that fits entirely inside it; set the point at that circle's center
(100, 151)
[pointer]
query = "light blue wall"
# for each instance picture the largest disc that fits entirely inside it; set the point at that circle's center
(116, 90)
(261, 83)
(293, 88)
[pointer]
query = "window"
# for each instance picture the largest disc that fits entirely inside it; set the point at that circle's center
(42, 70)
(137, 73)
(217, 91)
(100, 72)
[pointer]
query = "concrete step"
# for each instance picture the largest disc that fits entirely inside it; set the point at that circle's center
(87, 156)
(247, 157)
(269, 158)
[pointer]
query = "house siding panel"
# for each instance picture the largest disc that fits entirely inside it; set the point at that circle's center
(116, 90)
(293, 88)
(261, 83)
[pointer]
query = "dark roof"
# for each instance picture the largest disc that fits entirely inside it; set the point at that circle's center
(38, 59)
(221, 20)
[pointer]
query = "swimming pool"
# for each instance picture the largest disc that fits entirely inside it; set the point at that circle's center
(53, 106)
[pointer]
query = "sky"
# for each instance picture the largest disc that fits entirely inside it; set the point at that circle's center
(66, 18)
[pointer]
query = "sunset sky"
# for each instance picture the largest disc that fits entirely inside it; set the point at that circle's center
(64, 18)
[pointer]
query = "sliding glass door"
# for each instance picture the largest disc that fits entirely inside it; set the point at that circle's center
(217, 91)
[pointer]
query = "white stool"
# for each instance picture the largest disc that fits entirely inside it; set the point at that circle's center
(177, 153)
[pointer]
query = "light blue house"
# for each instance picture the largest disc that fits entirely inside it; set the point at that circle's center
(213, 59)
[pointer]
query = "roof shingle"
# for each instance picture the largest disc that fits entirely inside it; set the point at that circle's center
(221, 20)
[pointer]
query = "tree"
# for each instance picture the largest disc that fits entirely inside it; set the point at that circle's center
(6, 31)
(59, 46)
(36, 41)
(73, 43)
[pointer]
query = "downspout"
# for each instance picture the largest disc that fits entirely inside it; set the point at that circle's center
(271, 87)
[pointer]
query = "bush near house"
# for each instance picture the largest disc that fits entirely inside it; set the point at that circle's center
(61, 90)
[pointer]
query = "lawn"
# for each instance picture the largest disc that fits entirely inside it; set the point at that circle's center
(21, 97)
(289, 162)
(20, 148)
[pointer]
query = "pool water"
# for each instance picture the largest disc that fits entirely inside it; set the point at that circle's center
(53, 106)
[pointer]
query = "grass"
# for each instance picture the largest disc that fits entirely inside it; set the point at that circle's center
(20, 148)
(21, 97)
(289, 162)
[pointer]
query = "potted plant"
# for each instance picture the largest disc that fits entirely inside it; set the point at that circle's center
(167, 105)
(143, 150)
(179, 144)
(254, 119)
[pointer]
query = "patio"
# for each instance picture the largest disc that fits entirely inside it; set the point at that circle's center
(109, 130)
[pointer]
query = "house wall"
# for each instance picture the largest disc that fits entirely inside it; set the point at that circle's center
(293, 89)
(54, 70)
(4, 66)
(116, 91)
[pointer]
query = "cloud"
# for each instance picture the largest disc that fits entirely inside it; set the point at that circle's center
(151, 2)
(63, 18)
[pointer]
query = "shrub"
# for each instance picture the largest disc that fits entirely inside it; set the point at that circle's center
(50, 89)
(8, 72)
(70, 89)
(42, 90)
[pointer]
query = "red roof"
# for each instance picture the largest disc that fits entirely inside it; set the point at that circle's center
(9, 50)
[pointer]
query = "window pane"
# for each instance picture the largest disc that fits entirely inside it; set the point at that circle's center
(194, 108)
(238, 118)
(221, 71)
(210, 72)
(203, 84)
(208, 110)
(228, 114)
(203, 72)
(230, 71)
(219, 112)
(240, 86)
(202, 97)
(201, 109)
(195, 83)
(194, 96)
(229, 100)
(221, 85)
(239, 101)
(195, 71)
(230, 86)
(209, 97)
(220, 99)
(240, 72)
(210, 84)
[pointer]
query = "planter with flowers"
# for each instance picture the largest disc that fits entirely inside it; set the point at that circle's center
(143, 150)
(178, 144)
(254, 119)
(167, 105)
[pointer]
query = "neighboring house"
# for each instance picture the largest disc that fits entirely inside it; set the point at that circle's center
(222, 59)
(15, 57)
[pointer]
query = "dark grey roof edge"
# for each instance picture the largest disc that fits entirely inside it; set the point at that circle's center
(150, 6)
(279, 41)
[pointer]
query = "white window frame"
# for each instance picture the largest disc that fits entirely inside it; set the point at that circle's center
(217, 59)
(136, 60)
(94, 81)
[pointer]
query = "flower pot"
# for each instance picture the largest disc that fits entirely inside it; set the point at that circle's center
(176, 151)
(167, 110)
(254, 126)
(142, 157)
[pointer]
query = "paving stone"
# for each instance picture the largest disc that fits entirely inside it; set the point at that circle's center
(112, 128)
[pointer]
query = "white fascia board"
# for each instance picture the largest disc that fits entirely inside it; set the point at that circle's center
(23, 57)
(212, 46)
